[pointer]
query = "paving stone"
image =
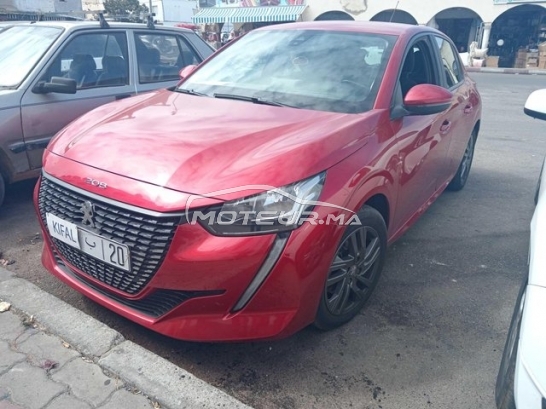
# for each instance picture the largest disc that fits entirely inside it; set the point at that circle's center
(29, 386)
(41, 347)
(11, 326)
(67, 401)
(5, 274)
(8, 357)
(86, 381)
(165, 382)
(67, 322)
(126, 399)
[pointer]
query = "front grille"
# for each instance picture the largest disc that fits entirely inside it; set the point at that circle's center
(155, 305)
(147, 236)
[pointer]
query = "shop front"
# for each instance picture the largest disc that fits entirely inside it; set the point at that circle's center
(228, 19)
(516, 35)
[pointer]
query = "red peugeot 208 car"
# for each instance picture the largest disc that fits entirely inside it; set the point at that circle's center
(259, 195)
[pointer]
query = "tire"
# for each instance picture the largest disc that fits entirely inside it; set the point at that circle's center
(2, 189)
(460, 178)
(504, 389)
(354, 271)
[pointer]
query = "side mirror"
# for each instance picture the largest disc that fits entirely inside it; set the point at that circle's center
(186, 71)
(536, 104)
(427, 99)
(58, 85)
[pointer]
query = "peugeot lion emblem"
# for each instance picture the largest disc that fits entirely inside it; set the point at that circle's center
(87, 210)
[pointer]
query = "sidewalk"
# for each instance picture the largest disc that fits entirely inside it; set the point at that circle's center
(53, 356)
(521, 71)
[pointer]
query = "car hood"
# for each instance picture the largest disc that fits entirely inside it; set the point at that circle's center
(201, 145)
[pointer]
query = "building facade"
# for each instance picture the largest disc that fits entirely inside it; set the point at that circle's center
(504, 27)
(42, 6)
(171, 12)
(48, 9)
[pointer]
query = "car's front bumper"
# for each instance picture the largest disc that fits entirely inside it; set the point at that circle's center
(195, 292)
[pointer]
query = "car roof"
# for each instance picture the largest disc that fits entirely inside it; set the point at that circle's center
(89, 24)
(375, 27)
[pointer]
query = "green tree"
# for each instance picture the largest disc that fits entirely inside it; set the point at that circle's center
(124, 8)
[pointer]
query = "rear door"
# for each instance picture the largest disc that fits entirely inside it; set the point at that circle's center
(99, 62)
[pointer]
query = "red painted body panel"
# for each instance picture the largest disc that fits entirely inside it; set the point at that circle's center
(157, 150)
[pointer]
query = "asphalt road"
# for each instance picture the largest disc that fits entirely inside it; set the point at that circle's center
(433, 333)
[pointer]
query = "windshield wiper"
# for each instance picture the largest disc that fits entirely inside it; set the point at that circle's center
(191, 92)
(254, 100)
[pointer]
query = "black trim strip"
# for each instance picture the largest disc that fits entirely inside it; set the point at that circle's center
(17, 147)
(535, 114)
(39, 143)
(157, 304)
(263, 272)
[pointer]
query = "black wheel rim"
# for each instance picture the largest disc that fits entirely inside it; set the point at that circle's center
(467, 158)
(353, 272)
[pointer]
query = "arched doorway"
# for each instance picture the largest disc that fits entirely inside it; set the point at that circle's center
(519, 29)
(334, 15)
(395, 16)
(458, 23)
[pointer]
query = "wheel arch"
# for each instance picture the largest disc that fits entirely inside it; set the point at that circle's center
(380, 203)
(5, 171)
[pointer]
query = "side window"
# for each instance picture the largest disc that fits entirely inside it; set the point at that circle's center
(160, 57)
(93, 60)
(418, 67)
(451, 65)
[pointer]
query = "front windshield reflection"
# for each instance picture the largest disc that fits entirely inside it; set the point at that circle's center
(313, 69)
(21, 47)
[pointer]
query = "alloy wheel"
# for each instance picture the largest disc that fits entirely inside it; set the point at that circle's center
(353, 271)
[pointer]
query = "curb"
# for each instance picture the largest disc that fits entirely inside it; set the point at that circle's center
(157, 378)
(520, 71)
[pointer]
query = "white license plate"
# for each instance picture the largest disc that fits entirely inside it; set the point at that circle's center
(108, 251)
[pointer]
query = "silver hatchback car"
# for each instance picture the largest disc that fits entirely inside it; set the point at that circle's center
(53, 72)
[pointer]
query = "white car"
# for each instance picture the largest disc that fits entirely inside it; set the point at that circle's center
(521, 382)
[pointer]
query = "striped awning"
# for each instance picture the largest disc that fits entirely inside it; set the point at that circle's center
(258, 14)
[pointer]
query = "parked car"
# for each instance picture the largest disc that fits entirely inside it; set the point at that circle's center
(521, 381)
(259, 195)
(53, 72)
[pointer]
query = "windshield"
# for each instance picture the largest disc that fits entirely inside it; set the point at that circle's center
(312, 69)
(21, 47)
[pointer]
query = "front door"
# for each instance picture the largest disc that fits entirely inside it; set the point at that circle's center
(99, 62)
(421, 139)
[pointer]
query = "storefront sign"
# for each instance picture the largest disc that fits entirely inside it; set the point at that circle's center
(518, 1)
(256, 3)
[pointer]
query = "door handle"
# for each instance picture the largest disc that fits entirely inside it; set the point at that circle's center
(122, 96)
(468, 109)
(446, 126)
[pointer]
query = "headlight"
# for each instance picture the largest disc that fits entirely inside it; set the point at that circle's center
(274, 211)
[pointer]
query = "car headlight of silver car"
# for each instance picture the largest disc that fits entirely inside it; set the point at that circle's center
(273, 211)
